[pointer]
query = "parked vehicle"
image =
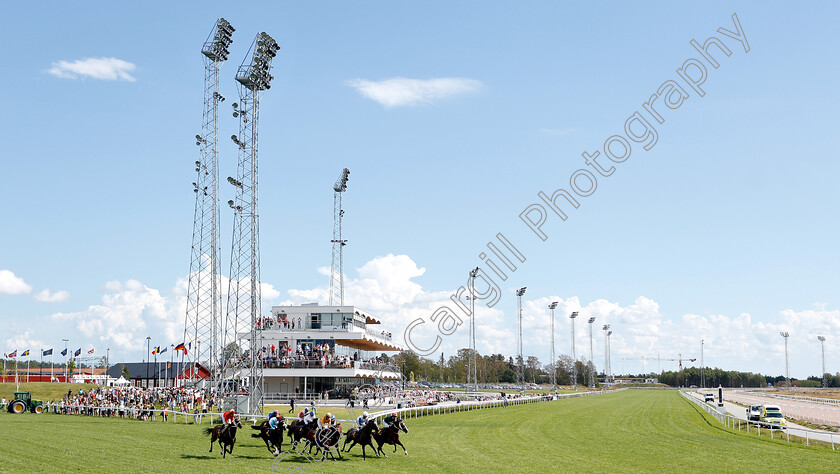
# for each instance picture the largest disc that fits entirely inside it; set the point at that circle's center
(754, 412)
(23, 402)
(772, 415)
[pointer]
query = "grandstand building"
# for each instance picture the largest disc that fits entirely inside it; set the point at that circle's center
(310, 349)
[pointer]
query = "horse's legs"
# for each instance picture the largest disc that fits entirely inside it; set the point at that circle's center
(379, 449)
(401, 445)
(363, 452)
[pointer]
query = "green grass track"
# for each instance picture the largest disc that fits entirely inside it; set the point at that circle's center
(629, 431)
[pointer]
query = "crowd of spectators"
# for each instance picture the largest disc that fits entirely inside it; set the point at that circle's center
(134, 402)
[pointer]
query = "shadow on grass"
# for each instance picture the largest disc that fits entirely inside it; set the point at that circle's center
(192, 456)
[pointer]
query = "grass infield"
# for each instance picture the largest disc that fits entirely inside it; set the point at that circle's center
(629, 431)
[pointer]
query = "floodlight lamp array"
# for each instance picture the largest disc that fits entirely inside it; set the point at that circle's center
(341, 184)
(256, 76)
(217, 48)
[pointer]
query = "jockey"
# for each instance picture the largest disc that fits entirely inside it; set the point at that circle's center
(390, 419)
(274, 422)
(272, 415)
(362, 421)
(227, 419)
(302, 415)
(326, 421)
(310, 418)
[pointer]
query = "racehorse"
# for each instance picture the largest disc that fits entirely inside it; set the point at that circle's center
(272, 438)
(363, 436)
(297, 430)
(324, 440)
(391, 435)
(226, 436)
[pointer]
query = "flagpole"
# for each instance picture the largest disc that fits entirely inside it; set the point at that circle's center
(27, 369)
(41, 367)
(52, 366)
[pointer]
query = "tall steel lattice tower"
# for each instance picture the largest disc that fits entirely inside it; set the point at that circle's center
(203, 320)
(243, 308)
(785, 335)
(553, 360)
(338, 243)
(472, 365)
(520, 369)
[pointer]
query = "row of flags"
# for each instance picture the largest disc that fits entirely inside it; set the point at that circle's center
(78, 352)
(46, 352)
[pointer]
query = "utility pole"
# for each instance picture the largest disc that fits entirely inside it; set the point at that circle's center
(702, 366)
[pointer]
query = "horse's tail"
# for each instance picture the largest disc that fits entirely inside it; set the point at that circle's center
(256, 427)
(208, 431)
(256, 435)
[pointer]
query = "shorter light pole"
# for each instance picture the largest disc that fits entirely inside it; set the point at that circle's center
(574, 356)
(785, 335)
(606, 329)
(822, 343)
(553, 369)
(702, 366)
(591, 357)
(148, 348)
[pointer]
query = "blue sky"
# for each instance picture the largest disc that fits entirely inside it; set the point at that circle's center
(731, 213)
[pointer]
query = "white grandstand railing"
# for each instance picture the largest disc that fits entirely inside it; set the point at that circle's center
(733, 422)
(442, 409)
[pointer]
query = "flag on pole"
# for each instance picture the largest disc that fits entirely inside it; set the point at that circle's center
(13, 354)
(163, 350)
(25, 353)
(78, 352)
(156, 350)
(47, 352)
(64, 352)
(90, 351)
(181, 347)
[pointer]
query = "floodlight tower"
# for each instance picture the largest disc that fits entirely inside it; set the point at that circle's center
(785, 335)
(520, 370)
(204, 300)
(591, 352)
(552, 307)
(337, 269)
(702, 365)
(822, 343)
(244, 306)
(574, 357)
(472, 367)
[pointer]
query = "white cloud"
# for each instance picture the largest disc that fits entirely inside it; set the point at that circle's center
(45, 296)
(108, 69)
(12, 285)
(23, 341)
(401, 91)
